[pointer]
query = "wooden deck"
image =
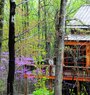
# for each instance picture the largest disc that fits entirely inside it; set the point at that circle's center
(64, 77)
(69, 73)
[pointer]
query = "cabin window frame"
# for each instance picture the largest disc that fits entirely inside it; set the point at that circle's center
(76, 58)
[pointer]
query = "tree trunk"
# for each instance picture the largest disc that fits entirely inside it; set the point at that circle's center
(1, 24)
(11, 43)
(59, 49)
(39, 19)
(47, 47)
(25, 24)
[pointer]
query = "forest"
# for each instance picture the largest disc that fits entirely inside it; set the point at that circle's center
(44, 47)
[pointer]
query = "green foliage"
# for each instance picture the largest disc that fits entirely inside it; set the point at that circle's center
(35, 34)
(83, 91)
(71, 92)
(40, 84)
(73, 6)
(2, 87)
(42, 91)
(41, 79)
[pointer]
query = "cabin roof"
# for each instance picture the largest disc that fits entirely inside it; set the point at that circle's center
(74, 37)
(81, 19)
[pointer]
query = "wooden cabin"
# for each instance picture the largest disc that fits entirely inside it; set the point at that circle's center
(77, 46)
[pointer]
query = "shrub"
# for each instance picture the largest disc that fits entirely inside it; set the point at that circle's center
(42, 91)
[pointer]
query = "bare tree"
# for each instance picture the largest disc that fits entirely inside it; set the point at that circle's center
(1, 24)
(11, 43)
(47, 42)
(59, 48)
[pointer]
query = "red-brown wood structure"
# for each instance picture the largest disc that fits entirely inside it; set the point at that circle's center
(77, 59)
(76, 64)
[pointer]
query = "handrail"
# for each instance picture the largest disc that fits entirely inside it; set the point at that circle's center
(77, 67)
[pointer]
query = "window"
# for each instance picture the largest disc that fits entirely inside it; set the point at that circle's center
(75, 55)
